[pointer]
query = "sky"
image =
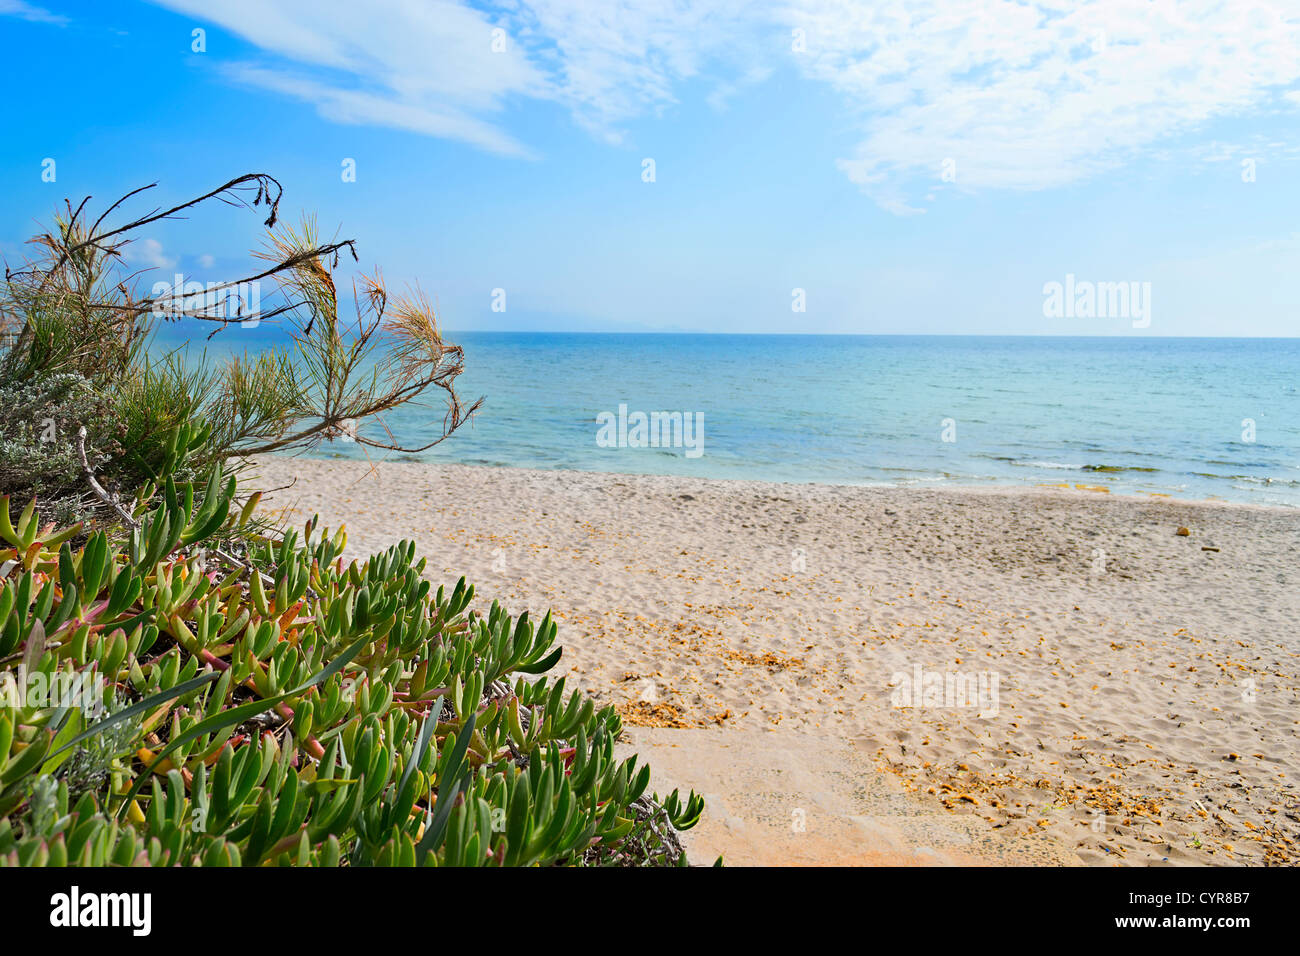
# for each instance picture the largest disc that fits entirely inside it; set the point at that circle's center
(806, 166)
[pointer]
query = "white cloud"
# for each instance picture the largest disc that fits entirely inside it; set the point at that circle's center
(357, 107)
(420, 65)
(1039, 94)
(27, 11)
(147, 253)
(1259, 148)
(615, 60)
(1020, 94)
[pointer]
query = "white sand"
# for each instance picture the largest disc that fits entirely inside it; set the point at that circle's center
(1146, 696)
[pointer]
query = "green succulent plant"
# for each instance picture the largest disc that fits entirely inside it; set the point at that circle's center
(282, 707)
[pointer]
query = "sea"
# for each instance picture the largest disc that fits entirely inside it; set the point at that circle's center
(1212, 418)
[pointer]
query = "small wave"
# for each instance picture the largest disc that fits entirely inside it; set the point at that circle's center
(1116, 468)
(1282, 482)
(1252, 479)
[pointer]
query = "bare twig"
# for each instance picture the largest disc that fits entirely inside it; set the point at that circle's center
(247, 568)
(96, 487)
(95, 240)
(648, 811)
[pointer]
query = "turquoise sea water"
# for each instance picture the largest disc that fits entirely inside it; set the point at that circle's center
(1136, 414)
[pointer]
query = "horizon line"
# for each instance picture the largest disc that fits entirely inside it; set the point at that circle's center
(916, 335)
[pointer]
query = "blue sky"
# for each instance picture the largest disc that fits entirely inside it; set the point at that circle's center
(797, 145)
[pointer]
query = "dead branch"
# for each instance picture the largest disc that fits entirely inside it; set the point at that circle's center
(100, 492)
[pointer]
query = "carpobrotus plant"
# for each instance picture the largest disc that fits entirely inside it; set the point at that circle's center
(190, 691)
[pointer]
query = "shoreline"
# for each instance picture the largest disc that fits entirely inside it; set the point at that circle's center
(1146, 690)
(992, 486)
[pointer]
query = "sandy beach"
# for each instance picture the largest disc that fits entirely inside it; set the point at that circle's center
(1050, 671)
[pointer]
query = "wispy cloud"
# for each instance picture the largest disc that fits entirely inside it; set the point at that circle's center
(613, 61)
(1035, 95)
(148, 253)
(28, 11)
(423, 66)
(1016, 94)
(360, 107)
